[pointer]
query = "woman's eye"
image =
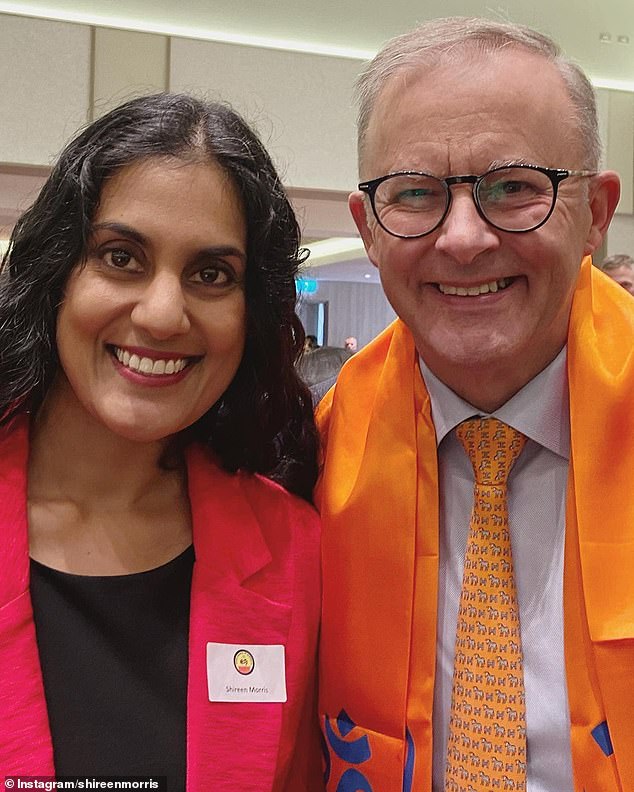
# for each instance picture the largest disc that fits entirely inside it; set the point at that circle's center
(118, 258)
(214, 276)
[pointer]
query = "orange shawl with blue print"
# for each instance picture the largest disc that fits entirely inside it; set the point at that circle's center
(379, 501)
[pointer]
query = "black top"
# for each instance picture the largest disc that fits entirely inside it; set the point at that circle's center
(114, 654)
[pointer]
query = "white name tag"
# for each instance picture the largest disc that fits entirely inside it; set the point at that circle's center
(246, 672)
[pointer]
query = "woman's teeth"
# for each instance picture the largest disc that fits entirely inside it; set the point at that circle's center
(146, 365)
(474, 291)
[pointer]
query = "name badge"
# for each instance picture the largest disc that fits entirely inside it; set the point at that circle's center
(246, 672)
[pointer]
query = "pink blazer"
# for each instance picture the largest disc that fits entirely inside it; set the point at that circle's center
(255, 581)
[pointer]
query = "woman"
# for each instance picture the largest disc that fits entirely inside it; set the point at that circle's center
(149, 400)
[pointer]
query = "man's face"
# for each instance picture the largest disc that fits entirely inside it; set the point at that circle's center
(624, 276)
(465, 118)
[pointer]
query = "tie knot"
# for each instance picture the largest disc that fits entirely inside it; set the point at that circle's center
(492, 447)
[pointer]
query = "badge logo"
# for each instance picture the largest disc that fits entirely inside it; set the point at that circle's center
(244, 662)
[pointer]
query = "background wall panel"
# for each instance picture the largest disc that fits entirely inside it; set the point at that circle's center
(300, 103)
(45, 86)
(127, 64)
(354, 309)
(619, 145)
(620, 236)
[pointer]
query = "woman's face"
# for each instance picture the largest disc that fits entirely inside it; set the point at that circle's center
(152, 329)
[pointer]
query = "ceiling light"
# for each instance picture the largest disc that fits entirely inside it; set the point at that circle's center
(623, 39)
(182, 31)
(367, 276)
(613, 85)
(333, 250)
(606, 38)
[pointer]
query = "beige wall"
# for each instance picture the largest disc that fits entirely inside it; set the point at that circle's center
(45, 88)
(616, 113)
(301, 104)
(127, 64)
(616, 109)
(58, 76)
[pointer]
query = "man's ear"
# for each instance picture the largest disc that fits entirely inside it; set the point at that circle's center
(604, 193)
(359, 211)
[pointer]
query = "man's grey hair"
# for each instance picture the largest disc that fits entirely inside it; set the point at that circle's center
(448, 37)
(617, 261)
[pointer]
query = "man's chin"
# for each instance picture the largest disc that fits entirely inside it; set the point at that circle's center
(475, 351)
(474, 367)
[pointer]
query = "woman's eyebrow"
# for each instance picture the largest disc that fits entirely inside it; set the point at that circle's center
(122, 229)
(215, 251)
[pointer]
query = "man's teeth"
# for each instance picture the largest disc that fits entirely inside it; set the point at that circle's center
(146, 365)
(474, 291)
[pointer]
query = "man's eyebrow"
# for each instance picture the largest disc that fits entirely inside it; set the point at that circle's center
(509, 163)
(122, 229)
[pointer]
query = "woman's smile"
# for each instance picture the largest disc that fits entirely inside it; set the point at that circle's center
(150, 364)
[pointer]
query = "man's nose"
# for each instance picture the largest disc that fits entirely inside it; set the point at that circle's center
(464, 234)
(161, 309)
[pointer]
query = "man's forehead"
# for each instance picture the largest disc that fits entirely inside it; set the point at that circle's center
(462, 69)
(469, 95)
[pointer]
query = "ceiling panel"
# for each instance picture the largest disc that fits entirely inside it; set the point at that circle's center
(576, 24)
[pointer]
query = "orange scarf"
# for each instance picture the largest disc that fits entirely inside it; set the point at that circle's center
(379, 502)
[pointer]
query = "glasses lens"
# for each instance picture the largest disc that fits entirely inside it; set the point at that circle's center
(410, 205)
(515, 199)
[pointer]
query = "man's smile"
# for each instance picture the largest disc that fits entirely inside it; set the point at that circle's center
(474, 291)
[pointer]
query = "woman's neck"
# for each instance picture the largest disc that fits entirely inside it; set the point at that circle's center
(99, 503)
(74, 455)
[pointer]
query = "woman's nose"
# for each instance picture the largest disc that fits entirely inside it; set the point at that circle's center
(161, 309)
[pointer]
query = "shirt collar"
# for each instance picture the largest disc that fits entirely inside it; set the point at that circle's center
(540, 410)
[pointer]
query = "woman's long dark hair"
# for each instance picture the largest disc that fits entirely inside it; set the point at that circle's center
(263, 422)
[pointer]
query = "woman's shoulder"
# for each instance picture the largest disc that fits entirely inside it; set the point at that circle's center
(263, 495)
(238, 516)
(271, 492)
(284, 518)
(14, 441)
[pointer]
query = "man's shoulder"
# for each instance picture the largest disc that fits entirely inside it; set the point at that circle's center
(602, 322)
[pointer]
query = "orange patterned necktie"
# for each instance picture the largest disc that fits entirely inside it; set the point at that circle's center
(487, 727)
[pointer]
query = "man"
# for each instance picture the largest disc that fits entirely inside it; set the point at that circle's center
(480, 205)
(310, 343)
(621, 269)
(350, 344)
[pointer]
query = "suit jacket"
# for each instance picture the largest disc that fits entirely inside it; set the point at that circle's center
(379, 504)
(255, 581)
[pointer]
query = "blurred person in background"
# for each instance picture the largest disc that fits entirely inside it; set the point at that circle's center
(320, 367)
(350, 344)
(310, 343)
(620, 268)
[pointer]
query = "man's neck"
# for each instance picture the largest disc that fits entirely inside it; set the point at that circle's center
(488, 387)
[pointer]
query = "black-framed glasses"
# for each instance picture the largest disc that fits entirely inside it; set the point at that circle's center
(516, 198)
